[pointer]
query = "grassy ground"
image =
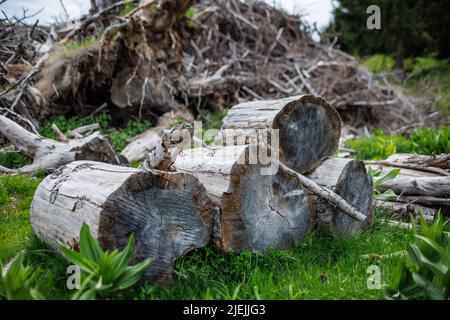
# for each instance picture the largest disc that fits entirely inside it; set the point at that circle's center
(425, 77)
(320, 268)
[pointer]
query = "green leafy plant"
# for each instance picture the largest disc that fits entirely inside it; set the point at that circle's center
(104, 272)
(133, 128)
(387, 195)
(10, 158)
(424, 141)
(425, 274)
(17, 283)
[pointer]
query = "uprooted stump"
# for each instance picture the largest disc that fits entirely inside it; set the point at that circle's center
(354, 185)
(169, 213)
(308, 128)
(261, 209)
(50, 154)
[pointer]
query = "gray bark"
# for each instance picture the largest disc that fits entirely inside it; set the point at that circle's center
(169, 213)
(309, 128)
(50, 154)
(258, 212)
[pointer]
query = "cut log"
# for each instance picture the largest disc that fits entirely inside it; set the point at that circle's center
(354, 185)
(260, 210)
(50, 154)
(169, 213)
(138, 148)
(424, 186)
(308, 128)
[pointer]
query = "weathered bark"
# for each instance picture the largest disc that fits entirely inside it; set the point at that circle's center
(355, 186)
(50, 154)
(425, 186)
(260, 210)
(139, 147)
(169, 213)
(402, 211)
(438, 161)
(308, 128)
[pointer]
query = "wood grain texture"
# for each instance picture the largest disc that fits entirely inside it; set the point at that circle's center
(353, 184)
(169, 213)
(309, 128)
(258, 212)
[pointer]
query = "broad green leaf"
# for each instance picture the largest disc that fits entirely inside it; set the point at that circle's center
(89, 247)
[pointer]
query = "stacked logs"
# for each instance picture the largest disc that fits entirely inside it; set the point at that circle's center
(256, 194)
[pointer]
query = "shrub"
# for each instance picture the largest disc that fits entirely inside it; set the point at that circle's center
(424, 141)
(425, 273)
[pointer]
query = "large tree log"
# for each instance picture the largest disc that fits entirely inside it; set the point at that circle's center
(308, 128)
(328, 172)
(169, 213)
(260, 210)
(49, 154)
(354, 185)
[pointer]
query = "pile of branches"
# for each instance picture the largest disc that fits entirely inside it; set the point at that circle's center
(161, 55)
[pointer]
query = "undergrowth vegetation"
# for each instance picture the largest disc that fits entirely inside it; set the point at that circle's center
(425, 77)
(424, 141)
(10, 158)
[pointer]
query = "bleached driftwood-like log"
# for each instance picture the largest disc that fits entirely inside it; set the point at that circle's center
(308, 128)
(402, 211)
(354, 185)
(424, 186)
(49, 154)
(138, 148)
(260, 210)
(169, 213)
(403, 184)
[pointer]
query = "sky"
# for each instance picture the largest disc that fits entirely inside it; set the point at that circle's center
(318, 11)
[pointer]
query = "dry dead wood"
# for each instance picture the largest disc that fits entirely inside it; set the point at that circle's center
(306, 127)
(169, 213)
(50, 154)
(138, 148)
(257, 211)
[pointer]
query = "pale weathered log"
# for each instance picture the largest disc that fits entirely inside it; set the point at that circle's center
(308, 128)
(50, 154)
(438, 161)
(424, 186)
(138, 148)
(260, 208)
(354, 185)
(327, 194)
(403, 211)
(169, 213)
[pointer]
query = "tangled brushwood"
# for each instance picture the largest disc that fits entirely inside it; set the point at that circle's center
(142, 59)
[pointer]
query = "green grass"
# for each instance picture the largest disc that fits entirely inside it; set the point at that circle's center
(379, 63)
(430, 78)
(133, 128)
(10, 158)
(425, 77)
(82, 44)
(118, 136)
(321, 267)
(424, 141)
